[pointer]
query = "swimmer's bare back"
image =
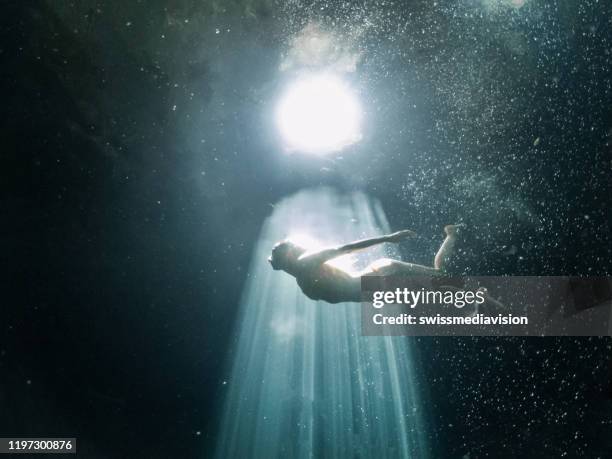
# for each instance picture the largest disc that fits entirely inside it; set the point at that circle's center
(320, 280)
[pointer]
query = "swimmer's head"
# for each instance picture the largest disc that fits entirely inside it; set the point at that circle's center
(285, 255)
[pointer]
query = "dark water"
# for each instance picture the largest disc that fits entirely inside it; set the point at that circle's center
(140, 160)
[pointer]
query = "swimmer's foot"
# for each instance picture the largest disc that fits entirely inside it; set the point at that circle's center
(454, 230)
(491, 303)
(400, 235)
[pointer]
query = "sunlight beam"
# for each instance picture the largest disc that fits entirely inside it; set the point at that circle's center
(303, 381)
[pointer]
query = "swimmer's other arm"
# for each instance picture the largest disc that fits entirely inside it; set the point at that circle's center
(329, 254)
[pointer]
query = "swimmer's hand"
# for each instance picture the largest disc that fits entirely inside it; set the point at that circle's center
(400, 235)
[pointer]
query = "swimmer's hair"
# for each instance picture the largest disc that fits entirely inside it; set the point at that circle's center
(281, 255)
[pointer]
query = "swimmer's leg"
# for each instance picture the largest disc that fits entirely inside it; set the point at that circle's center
(447, 249)
(390, 267)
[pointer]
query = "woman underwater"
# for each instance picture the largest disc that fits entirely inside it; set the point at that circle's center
(320, 280)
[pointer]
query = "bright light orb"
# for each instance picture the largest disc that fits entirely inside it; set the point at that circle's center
(319, 114)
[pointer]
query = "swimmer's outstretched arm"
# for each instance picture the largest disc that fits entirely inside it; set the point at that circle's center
(328, 254)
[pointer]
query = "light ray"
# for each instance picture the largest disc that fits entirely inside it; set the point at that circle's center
(304, 382)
